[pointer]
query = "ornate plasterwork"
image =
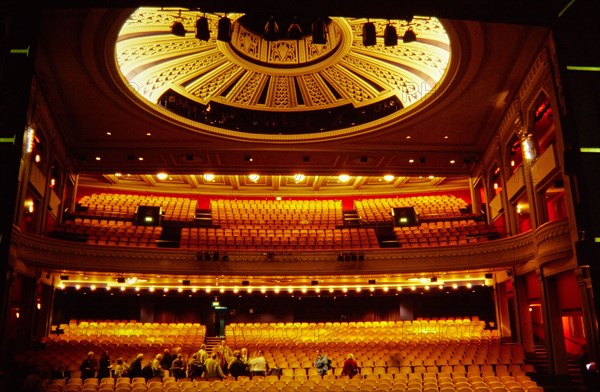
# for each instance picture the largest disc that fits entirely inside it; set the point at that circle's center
(62, 255)
(251, 73)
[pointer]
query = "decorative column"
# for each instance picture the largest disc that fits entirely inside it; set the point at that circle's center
(553, 330)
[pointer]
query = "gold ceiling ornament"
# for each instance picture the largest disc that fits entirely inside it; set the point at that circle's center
(285, 89)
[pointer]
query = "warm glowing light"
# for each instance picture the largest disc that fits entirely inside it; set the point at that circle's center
(298, 177)
(195, 289)
(180, 289)
(77, 287)
(39, 306)
(372, 289)
(208, 177)
(303, 289)
(29, 139)
(162, 176)
(290, 289)
(263, 290)
(331, 289)
(413, 288)
(207, 289)
(411, 161)
(317, 290)
(344, 178)
(253, 177)
(495, 185)
(386, 289)
(469, 285)
(236, 290)
(276, 290)
(222, 290)
(166, 289)
(441, 286)
(29, 206)
(61, 286)
(151, 289)
(137, 288)
(17, 314)
(93, 287)
(452, 161)
(122, 288)
(358, 289)
(388, 177)
(426, 287)
(345, 289)
(399, 288)
(249, 290)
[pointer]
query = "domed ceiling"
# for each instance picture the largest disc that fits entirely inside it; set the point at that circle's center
(252, 86)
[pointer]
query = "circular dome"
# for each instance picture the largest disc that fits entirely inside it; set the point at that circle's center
(242, 79)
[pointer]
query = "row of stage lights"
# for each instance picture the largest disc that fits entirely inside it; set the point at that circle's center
(275, 290)
(294, 31)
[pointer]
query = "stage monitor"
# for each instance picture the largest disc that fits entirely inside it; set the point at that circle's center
(148, 215)
(404, 216)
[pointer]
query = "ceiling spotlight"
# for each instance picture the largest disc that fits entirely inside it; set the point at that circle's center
(224, 29)
(388, 177)
(298, 177)
(253, 177)
(344, 178)
(202, 31)
(162, 176)
(208, 177)
(178, 29)
(409, 36)
(319, 30)
(369, 34)
(390, 35)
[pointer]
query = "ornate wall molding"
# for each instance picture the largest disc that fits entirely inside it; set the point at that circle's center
(550, 242)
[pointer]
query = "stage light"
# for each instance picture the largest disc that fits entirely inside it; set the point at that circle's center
(271, 29)
(202, 31)
(224, 29)
(319, 32)
(178, 29)
(409, 36)
(294, 31)
(369, 34)
(390, 36)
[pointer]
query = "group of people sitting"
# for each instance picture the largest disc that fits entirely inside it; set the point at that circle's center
(218, 364)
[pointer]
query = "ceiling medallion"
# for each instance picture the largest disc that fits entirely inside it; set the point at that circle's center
(257, 85)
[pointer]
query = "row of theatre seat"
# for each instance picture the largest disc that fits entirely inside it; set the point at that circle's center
(444, 382)
(239, 225)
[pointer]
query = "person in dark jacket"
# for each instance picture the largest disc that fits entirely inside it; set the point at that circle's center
(89, 366)
(135, 367)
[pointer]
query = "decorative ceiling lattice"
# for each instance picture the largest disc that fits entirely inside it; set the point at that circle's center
(252, 86)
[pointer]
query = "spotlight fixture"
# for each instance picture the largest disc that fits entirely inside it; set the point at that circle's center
(185, 282)
(224, 29)
(294, 31)
(409, 36)
(271, 29)
(390, 35)
(433, 279)
(372, 281)
(369, 34)
(319, 30)
(178, 29)
(202, 31)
